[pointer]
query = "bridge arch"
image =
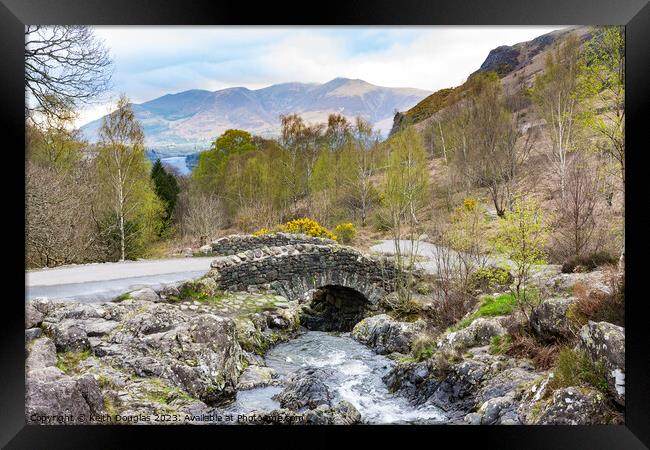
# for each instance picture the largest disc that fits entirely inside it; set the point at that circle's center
(296, 271)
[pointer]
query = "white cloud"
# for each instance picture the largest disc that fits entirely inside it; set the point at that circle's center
(153, 61)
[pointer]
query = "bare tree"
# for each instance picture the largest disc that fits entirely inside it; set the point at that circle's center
(65, 65)
(201, 215)
(577, 221)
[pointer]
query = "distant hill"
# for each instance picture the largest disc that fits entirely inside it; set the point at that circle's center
(188, 121)
(517, 65)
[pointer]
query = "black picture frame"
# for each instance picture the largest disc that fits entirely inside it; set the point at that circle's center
(634, 14)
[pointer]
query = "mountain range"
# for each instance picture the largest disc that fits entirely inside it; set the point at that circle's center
(186, 122)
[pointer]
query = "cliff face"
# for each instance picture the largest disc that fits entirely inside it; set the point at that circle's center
(516, 65)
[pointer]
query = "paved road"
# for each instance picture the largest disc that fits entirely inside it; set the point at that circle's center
(429, 253)
(103, 281)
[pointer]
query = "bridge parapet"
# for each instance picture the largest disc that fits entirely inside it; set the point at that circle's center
(237, 243)
(295, 270)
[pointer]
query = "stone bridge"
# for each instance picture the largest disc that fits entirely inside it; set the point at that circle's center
(294, 271)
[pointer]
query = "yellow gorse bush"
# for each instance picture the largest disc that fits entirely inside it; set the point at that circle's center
(300, 226)
(261, 232)
(309, 227)
(345, 232)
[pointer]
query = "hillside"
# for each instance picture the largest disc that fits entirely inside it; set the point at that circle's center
(188, 121)
(516, 65)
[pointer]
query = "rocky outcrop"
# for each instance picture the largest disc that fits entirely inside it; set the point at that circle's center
(549, 319)
(295, 270)
(146, 354)
(237, 243)
(53, 397)
(306, 388)
(478, 333)
(343, 413)
(386, 335)
(606, 342)
(575, 406)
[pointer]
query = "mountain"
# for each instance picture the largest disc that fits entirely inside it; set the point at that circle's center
(188, 121)
(516, 65)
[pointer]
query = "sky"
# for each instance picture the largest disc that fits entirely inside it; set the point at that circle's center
(151, 61)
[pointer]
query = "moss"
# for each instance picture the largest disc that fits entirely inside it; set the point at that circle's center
(122, 297)
(161, 393)
(68, 362)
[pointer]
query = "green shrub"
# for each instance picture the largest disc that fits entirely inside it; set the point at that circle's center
(490, 278)
(573, 368)
(345, 232)
(588, 262)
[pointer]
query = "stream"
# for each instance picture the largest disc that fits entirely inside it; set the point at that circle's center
(356, 376)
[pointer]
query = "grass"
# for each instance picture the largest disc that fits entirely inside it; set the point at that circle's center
(573, 368)
(490, 307)
(68, 362)
(122, 297)
(499, 344)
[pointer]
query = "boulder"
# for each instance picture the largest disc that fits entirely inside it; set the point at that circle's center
(606, 342)
(387, 335)
(478, 333)
(343, 413)
(32, 333)
(206, 249)
(255, 376)
(33, 317)
(68, 336)
(575, 406)
(42, 353)
(57, 398)
(145, 294)
(549, 319)
(306, 388)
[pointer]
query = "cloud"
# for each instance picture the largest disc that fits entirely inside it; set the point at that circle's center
(151, 61)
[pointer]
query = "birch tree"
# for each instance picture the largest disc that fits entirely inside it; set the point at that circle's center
(554, 94)
(124, 174)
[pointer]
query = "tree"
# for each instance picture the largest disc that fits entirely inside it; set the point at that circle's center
(405, 192)
(166, 188)
(211, 168)
(123, 169)
(577, 221)
(359, 167)
(65, 66)
(521, 236)
(554, 94)
(602, 85)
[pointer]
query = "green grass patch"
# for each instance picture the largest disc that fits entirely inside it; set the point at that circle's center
(122, 297)
(491, 306)
(499, 344)
(68, 362)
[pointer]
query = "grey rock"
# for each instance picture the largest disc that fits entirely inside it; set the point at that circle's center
(549, 319)
(576, 406)
(68, 336)
(33, 317)
(387, 335)
(146, 294)
(33, 333)
(306, 388)
(606, 342)
(42, 353)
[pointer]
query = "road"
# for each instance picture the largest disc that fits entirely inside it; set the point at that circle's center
(429, 254)
(103, 281)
